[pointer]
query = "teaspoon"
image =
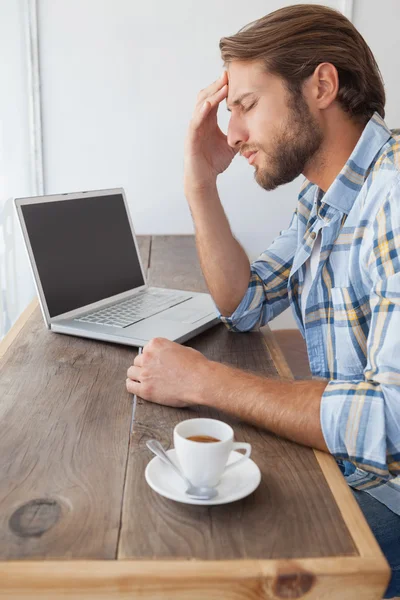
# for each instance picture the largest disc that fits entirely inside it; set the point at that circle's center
(193, 491)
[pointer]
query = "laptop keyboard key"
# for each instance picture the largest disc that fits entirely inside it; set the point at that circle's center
(143, 305)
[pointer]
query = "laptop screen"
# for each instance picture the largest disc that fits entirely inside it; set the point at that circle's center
(84, 250)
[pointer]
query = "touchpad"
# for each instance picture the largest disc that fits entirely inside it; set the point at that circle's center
(183, 315)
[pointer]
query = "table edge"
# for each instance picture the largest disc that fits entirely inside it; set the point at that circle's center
(144, 578)
(19, 324)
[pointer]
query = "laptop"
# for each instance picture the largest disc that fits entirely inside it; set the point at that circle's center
(89, 275)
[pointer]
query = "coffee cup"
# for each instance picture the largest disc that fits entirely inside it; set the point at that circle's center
(203, 447)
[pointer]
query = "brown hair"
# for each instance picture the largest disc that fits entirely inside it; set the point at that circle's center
(293, 41)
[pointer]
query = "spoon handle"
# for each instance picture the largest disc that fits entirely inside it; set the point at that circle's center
(158, 450)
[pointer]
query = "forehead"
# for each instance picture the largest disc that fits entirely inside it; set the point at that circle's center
(248, 77)
(240, 73)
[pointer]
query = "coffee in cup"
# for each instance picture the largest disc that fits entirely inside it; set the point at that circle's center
(205, 439)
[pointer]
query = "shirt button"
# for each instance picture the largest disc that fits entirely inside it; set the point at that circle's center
(313, 235)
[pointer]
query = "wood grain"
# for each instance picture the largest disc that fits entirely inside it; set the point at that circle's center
(174, 263)
(292, 514)
(284, 518)
(366, 544)
(290, 342)
(294, 350)
(65, 417)
(307, 579)
(276, 354)
(63, 453)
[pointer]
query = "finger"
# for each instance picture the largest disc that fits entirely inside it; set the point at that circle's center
(209, 104)
(214, 87)
(134, 373)
(133, 387)
(221, 93)
(138, 360)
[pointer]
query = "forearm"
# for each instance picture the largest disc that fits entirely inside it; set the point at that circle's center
(224, 263)
(288, 409)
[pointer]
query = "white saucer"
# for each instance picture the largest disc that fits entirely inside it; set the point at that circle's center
(235, 484)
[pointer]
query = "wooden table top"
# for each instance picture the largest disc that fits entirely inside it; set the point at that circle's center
(78, 520)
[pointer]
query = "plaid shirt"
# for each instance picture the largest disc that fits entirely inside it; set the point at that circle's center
(352, 312)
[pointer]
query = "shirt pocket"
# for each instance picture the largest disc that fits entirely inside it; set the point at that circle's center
(350, 321)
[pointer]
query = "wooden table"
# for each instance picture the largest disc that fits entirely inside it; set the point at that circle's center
(79, 521)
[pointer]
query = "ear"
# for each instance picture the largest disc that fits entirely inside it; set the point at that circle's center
(325, 85)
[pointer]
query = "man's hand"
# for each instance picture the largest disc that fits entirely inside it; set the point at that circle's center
(174, 375)
(167, 373)
(207, 153)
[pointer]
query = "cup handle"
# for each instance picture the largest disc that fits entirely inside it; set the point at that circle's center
(239, 446)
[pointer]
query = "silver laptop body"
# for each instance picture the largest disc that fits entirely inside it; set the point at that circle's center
(89, 275)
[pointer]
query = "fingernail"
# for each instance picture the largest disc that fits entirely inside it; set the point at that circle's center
(203, 108)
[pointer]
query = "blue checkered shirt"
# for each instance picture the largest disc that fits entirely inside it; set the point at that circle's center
(352, 312)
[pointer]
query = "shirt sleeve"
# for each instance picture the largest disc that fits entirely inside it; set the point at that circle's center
(361, 419)
(267, 293)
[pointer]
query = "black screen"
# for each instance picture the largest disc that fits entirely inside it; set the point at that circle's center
(84, 250)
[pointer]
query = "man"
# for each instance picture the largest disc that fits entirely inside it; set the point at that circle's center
(305, 96)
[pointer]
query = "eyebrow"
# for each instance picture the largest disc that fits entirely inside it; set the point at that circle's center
(238, 100)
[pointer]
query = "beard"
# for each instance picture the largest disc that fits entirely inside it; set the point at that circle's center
(293, 147)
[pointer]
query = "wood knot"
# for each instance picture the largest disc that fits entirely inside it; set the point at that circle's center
(35, 518)
(293, 585)
(142, 433)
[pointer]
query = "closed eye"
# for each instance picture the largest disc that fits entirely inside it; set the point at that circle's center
(246, 109)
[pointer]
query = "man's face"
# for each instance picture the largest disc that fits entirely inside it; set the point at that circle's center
(270, 122)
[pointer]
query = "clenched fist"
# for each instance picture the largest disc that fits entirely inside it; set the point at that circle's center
(168, 373)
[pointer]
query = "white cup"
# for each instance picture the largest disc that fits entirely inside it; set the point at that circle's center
(204, 463)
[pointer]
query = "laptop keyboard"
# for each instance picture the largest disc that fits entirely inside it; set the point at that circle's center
(143, 305)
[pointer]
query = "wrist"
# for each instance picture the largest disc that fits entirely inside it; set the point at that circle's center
(201, 189)
(209, 381)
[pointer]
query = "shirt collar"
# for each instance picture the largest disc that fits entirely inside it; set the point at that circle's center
(347, 185)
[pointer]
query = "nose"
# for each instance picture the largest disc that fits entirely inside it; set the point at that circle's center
(237, 133)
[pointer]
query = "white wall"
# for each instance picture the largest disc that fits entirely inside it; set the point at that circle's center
(119, 82)
(379, 24)
(16, 285)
